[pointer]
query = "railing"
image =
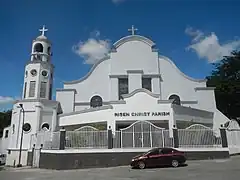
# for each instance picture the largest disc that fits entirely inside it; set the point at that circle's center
(87, 139)
(198, 138)
(45, 140)
(193, 137)
(233, 138)
(145, 139)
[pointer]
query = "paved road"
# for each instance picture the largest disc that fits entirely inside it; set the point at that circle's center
(196, 170)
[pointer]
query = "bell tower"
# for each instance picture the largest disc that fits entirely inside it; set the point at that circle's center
(38, 78)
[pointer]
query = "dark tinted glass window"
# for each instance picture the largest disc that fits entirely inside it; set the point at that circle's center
(122, 87)
(154, 152)
(166, 151)
(96, 101)
(147, 83)
(176, 99)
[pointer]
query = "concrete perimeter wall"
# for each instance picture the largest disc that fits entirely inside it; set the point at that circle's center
(63, 160)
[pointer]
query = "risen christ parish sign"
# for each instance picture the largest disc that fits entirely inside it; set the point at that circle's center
(127, 114)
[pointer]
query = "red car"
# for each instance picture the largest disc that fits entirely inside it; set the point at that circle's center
(159, 157)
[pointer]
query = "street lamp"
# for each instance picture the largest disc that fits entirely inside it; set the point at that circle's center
(20, 150)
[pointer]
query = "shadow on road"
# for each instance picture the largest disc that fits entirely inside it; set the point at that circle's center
(158, 167)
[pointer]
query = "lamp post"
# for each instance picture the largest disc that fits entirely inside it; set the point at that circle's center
(20, 150)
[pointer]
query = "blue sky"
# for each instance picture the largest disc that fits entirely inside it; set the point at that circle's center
(192, 33)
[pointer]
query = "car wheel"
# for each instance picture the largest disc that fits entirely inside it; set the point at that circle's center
(175, 163)
(141, 165)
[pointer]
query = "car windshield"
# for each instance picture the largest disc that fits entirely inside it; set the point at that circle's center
(150, 151)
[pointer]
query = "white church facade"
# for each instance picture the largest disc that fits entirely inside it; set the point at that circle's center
(132, 83)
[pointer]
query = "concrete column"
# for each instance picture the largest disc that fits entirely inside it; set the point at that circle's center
(54, 119)
(134, 81)
(110, 139)
(113, 89)
(62, 139)
(223, 134)
(111, 124)
(171, 123)
(38, 115)
(175, 137)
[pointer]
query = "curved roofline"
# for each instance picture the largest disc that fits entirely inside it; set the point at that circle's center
(132, 38)
(140, 90)
(89, 73)
(180, 72)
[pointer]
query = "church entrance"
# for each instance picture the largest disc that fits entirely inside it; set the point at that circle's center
(143, 134)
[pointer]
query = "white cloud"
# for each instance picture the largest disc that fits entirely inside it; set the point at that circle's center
(208, 46)
(117, 1)
(93, 49)
(6, 100)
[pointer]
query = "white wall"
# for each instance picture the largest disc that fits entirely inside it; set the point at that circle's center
(206, 99)
(4, 141)
(17, 120)
(134, 55)
(13, 157)
(81, 107)
(141, 102)
(175, 82)
(83, 118)
(133, 105)
(97, 83)
(67, 99)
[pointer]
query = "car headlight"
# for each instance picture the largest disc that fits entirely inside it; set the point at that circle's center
(133, 159)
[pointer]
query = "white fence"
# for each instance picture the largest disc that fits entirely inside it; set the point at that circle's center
(141, 134)
(45, 140)
(86, 139)
(233, 138)
(198, 136)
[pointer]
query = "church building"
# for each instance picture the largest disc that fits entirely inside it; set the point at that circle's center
(134, 82)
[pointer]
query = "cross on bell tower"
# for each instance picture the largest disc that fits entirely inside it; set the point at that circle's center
(43, 30)
(132, 30)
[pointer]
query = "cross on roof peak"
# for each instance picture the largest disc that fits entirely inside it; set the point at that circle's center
(132, 30)
(43, 30)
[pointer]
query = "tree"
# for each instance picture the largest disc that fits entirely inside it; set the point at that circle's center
(5, 120)
(226, 79)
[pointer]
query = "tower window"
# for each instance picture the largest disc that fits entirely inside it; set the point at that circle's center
(96, 101)
(43, 89)
(6, 133)
(176, 99)
(32, 88)
(49, 50)
(44, 73)
(34, 72)
(26, 127)
(25, 89)
(38, 47)
(147, 83)
(122, 87)
(45, 127)
(50, 92)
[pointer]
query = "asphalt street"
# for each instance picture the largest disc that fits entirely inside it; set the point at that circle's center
(207, 170)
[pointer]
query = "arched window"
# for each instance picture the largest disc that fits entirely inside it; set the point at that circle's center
(176, 99)
(45, 127)
(49, 50)
(26, 127)
(38, 47)
(96, 101)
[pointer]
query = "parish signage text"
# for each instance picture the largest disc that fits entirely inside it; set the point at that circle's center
(134, 114)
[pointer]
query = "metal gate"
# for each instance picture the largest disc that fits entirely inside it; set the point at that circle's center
(143, 134)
